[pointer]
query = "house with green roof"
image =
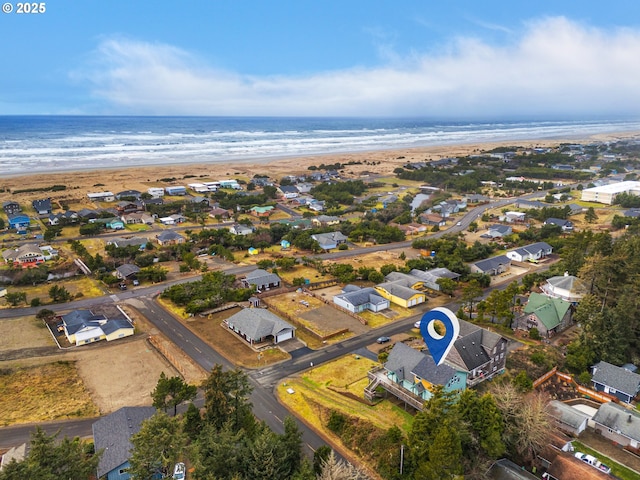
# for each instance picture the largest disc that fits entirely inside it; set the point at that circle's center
(261, 212)
(549, 315)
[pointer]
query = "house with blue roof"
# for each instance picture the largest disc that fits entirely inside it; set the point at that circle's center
(19, 221)
(534, 251)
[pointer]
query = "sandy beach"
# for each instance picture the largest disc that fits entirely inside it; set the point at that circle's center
(382, 162)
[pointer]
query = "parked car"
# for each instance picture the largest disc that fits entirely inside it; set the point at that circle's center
(123, 286)
(383, 339)
(135, 282)
(417, 324)
(593, 461)
(179, 471)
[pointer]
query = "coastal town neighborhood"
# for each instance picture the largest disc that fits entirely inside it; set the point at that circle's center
(329, 272)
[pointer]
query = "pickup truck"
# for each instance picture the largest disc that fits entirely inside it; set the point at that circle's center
(593, 461)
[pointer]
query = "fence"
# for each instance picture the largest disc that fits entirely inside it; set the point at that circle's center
(294, 320)
(587, 392)
(161, 347)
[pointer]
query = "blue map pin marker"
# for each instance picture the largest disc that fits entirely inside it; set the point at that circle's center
(439, 345)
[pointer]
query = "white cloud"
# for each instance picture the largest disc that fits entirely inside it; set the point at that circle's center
(555, 67)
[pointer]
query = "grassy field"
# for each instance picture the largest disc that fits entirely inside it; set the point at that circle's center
(333, 386)
(47, 392)
(80, 286)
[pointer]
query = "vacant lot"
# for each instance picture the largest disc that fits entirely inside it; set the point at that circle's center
(38, 382)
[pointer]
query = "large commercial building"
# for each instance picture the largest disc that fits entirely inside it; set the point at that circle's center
(607, 193)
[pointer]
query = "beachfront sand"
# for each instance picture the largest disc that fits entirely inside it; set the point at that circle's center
(79, 183)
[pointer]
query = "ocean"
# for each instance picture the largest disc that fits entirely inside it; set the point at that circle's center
(38, 144)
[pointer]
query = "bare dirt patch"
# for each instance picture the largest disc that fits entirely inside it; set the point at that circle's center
(378, 259)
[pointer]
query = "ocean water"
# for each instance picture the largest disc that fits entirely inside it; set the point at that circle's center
(32, 144)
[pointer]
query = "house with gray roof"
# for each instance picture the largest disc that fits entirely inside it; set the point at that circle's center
(492, 266)
(565, 287)
(619, 424)
(565, 225)
(499, 230)
(42, 206)
(566, 418)
(10, 207)
(479, 352)
(261, 280)
(258, 325)
(616, 381)
(402, 289)
(83, 326)
(411, 375)
(430, 278)
(534, 251)
(112, 435)
(359, 299)
(120, 242)
(330, 240)
(26, 255)
(169, 237)
(128, 270)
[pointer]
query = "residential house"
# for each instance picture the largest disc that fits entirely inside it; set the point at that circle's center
(156, 191)
(198, 187)
(217, 212)
(531, 204)
(575, 209)
(504, 469)
(535, 251)
(566, 418)
(325, 220)
(17, 453)
(176, 190)
(412, 375)
(445, 209)
(233, 184)
(566, 287)
(137, 218)
(26, 255)
(329, 241)
(356, 299)
(430, 278)
(172, 219)
(514, 217)
(19, 221)
(297, 223)
(316, 205)
(101, 197)
(619, 424)
(112, 223)
(548, 315)
(476, 198)
(124, 207)
(258, 325)
(240, 229)
(479, 352)
(399, 293)
(11, 207)
(63, 218)
(112, 436)
(127, 271)
(261, 280)
(261, 212)
(499, 231)
(129, 195)
(614, 380)
(566, 225)
(288, 192)
(42, 206)
(82, 327)
(432, 219)
(411, 228)
(304, 187)
(199, 203)
(170, 238)
(492, 266)
(87, 214)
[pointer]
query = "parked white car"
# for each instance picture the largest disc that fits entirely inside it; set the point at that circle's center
(593, 461)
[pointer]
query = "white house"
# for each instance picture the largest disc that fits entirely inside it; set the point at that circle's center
(156, 192)
(535, 251)
(356, 299)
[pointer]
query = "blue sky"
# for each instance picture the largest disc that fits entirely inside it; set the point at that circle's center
(462, 59)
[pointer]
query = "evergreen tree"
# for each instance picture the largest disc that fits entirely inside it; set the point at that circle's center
(171, 392)
(227, 399)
